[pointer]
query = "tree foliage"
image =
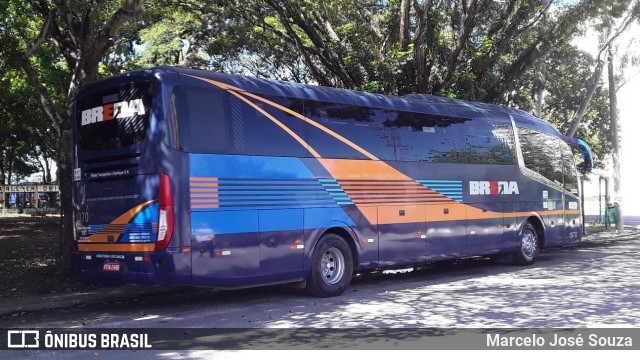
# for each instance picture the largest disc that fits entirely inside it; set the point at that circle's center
(567, 68)
(474, 49)
(59, 45)
(492, 51)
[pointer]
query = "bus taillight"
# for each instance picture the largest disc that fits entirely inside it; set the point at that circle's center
(165, 219)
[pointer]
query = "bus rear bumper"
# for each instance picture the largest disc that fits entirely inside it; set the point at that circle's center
(127, 268)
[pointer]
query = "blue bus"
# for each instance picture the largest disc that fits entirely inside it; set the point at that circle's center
(191, 177)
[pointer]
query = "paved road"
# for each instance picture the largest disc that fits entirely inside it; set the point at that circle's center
(594, 285)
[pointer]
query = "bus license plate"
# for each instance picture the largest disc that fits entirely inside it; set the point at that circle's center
(112, 266)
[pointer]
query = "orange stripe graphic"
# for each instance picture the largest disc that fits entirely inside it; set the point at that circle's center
(204, 192)
(387, 183)
(235, 91)
(119, 247)
(114, 229)
(204, 185)
(277, 122)
(391, 192)
(363, 179)
(315, 124)
(198, 206)
(199, 195)
(342, 169)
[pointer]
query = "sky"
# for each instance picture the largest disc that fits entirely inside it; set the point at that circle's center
(628, 97)
(629, 120)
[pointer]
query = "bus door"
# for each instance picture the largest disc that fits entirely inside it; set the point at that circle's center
(572, 219)
(554, 217)
(553, 196)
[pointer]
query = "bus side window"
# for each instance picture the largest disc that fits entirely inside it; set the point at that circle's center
(359, 125)
(172, 137)
(203, 121)
(569, 170)
(213, 121)
(429, 138)
(541, 154)
(256, 133)
(488, 143)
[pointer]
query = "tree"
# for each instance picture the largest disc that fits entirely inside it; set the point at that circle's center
(23, 132)
(615, 153)
(616, 80)
(615, 22)
(566, 68)
(627, 12)
(80, 34)
(478, 50)
(470, 49)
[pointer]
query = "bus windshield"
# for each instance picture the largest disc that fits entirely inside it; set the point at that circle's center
(114, 117)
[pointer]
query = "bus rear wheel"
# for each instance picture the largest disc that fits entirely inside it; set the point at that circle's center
(331, 267)
(529, 246)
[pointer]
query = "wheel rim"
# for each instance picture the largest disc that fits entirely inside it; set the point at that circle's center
(332, 265)
(529, 244)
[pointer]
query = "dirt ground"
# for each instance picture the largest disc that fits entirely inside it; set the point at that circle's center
(29, 249)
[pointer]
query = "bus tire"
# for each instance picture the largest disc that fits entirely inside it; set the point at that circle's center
(331, 267)
(529, 245)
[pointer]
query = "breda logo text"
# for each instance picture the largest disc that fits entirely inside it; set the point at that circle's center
(493, 188)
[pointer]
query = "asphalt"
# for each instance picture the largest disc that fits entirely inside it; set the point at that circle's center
(25, 304)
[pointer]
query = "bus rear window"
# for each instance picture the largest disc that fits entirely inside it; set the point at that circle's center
(115, 117)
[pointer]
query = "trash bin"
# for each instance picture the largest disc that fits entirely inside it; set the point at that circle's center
(613, 213)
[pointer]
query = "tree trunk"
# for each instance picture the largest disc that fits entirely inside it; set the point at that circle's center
(404, 25)
(627, 18)
(47, 168)
(470, 12)
(539, 84)
(591, 89)
(419, 44)
(85, 69)
(613, 115)
(67, 238)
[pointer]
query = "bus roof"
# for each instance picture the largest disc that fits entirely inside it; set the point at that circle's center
(423, 103)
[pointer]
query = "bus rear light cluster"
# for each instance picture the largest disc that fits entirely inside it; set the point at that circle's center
(165, 217)
(145, 258)
(86, 257)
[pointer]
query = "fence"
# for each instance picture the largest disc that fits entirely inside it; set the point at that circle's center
(15, 212)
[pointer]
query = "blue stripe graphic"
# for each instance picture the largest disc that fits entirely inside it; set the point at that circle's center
(276, 193)
(335, 190)
(449, 188)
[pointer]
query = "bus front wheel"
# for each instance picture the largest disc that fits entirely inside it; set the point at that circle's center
(529, 246)
(331, 267)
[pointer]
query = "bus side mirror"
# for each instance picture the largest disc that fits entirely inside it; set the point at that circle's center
(582, 167)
